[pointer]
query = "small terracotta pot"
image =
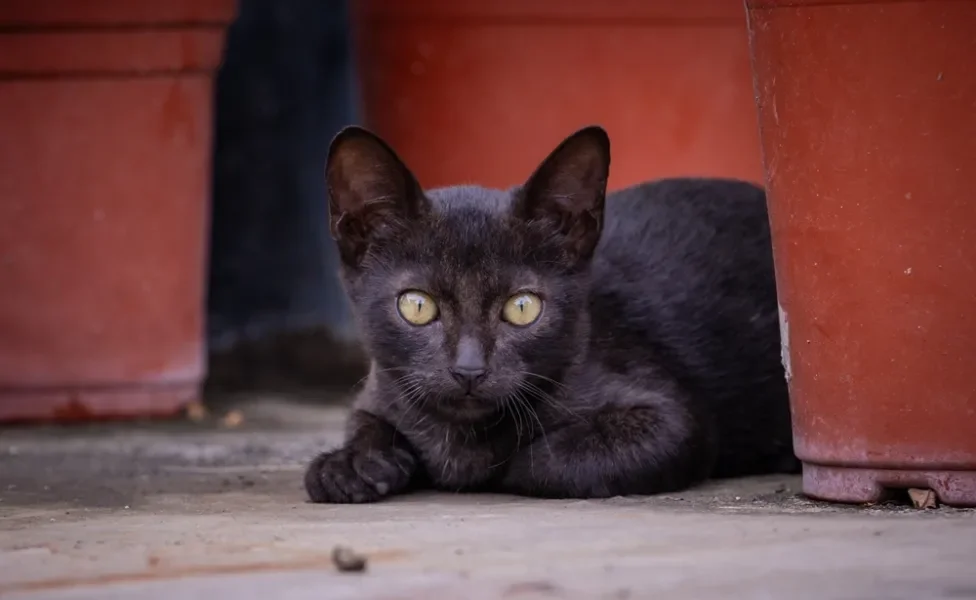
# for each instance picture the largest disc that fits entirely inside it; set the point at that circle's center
(868, 122)
(105, 109)
(475, 91)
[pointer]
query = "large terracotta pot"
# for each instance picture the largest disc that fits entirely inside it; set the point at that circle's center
(476, 91)
(868, 120)
(105, 113)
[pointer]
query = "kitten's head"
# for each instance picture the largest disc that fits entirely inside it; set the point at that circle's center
(468, 298)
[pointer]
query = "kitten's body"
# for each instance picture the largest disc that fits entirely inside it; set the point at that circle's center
(654, 365)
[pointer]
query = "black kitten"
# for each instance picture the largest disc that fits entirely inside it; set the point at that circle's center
(548, 342)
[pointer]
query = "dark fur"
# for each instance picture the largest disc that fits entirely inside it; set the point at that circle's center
(655, 363)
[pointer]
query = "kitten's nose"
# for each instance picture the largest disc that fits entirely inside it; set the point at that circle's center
(469, 366)
(467, 377)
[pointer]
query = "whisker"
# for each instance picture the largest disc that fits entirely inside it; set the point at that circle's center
(448, 462)
(517, 419)
(547, 398)
(544, 378)
(535, 415)
(410, 396)
(506, 403)
(527, 406)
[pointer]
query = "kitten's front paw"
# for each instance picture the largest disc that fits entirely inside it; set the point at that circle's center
(347, 475)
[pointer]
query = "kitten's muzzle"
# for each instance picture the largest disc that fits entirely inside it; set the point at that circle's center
(468, 377)
(469, 367)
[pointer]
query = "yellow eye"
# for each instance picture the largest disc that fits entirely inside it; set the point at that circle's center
(417, 307)
(522, 309)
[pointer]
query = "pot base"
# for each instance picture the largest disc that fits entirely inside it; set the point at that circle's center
(84, 404)
(860, 486)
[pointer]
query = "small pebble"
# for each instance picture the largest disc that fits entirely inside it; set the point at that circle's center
(196, 412)
(347, 561)
(233, 419)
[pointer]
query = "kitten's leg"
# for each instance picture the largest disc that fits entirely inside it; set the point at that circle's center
(376, 461)
(635, 441)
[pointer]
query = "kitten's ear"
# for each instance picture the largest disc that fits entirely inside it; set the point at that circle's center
(568, 190)
(371, 192)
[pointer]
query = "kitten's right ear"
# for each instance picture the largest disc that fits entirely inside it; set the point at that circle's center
(568, 190)
(371, 192)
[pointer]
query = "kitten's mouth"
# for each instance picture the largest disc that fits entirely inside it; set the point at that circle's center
(467, 408)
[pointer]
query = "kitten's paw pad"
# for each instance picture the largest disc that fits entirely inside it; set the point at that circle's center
(346, 476)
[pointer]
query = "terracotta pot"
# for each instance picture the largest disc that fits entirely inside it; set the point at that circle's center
(868, 121)
(105, 109)
(468, 90)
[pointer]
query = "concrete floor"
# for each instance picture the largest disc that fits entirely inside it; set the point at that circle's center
(195, 511)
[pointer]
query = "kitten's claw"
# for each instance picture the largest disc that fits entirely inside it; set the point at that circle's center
(347, 476)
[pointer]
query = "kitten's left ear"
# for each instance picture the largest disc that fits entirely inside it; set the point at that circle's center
(372, 193)
(568, 190)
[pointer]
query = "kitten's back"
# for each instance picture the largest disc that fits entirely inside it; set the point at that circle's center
(683, 279)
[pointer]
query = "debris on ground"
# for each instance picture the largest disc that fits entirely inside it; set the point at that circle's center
(232, 419)
(531, 588)
(196, 412)
(922, 498)
(346, 560)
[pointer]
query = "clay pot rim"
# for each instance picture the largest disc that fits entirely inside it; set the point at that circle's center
(623, 12)
(770, 4)
(57, 39)
(26, 15)
(109, 54)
